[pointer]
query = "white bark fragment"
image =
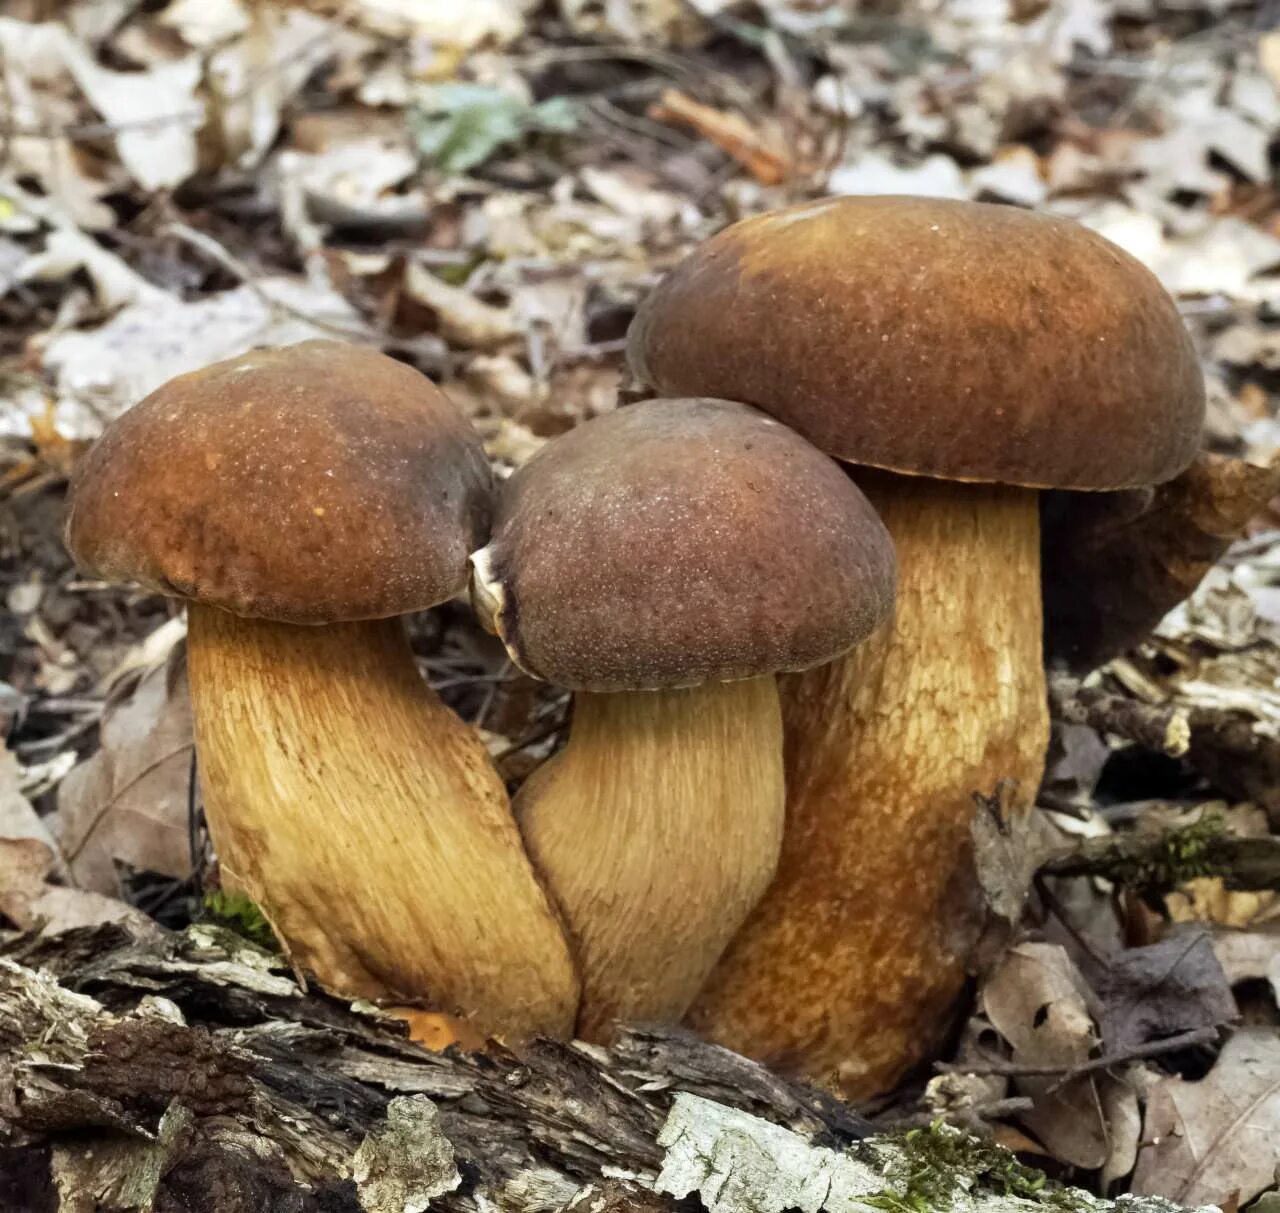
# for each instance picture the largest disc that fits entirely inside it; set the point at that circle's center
(407, 1161)
(738, 1163)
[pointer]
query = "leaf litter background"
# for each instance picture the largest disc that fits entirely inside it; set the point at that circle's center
(486, 188)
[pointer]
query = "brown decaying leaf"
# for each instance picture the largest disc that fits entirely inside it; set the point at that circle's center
(1210, 1141)
(1039, 1002)
(1169, 987)
(128, 802)
(1114, 564)
(1008, 849)
(28, 859)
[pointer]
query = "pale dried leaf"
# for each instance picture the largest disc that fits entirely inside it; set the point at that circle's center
(254, 77)
(128, 803)
(462, 319)
(205, 23)
(1216, 1140)
(1008, 849)
(101, 372)
(1039, 1002)
(1250, 955)
(28, 857)
(874, 173)
(465, 24)
(158, 155)
(67, 251)
(1123, 1118)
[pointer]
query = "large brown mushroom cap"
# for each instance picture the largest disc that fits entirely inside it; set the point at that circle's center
(677, 542)
(959, 340)
(309, 484)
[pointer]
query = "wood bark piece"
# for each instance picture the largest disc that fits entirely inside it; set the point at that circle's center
(1115, 564)
(116, 1102)
(368, 824)
(851, 964)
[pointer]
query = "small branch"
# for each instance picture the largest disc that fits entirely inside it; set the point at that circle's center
(1162, 729)
(1154, 1048)
(1161, 862)
(1221, 744)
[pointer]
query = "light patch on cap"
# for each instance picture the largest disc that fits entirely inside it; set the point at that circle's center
(799, 214)
(489, 601)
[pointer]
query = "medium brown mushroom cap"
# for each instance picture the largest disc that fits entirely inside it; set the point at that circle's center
(309, 484)
(677, 542)
(958, 340)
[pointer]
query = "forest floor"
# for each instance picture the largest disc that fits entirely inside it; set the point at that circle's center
(486, 189)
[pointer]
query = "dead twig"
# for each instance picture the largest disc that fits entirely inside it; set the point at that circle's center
(1153, 1048)
(1162, 861)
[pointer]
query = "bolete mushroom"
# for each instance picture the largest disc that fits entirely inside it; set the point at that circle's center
(963, 355)
(300, 499)
(663, 561)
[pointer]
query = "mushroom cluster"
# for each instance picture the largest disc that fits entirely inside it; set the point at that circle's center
(663, 562)
(963, 356)
(785, 862)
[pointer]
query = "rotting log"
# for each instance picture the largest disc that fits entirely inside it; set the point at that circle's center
(185, 1072)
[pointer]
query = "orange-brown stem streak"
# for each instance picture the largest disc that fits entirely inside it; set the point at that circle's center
(851, 965)
(368, 823)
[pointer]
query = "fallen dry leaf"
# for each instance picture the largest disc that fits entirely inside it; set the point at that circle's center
(1174, 986)
(466, 24)
(157, 155)
(1210, 1141)
(1123, 1118)
(1116, 563)
(128, 802)
(1039, 1002)
(461, 319)
(1250, 955)
(28, 858)
(101, 372)
(1008, 849)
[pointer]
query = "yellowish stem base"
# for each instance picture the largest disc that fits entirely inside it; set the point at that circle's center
(850, 967)
(368, 823)
(658, 828)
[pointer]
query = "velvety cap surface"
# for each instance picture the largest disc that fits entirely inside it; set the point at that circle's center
(676, 542)
(959, 340)
(309, 484)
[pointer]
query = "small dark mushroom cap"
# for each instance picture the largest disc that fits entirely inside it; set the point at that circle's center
(310, 484)
(677, 542)
(958, 340)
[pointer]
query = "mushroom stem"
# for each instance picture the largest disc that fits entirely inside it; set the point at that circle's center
(657, 827)
(851, 965)
(367, 822)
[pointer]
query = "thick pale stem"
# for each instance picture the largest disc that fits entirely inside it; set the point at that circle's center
(851, 965)
(658, 828)
(368, 823)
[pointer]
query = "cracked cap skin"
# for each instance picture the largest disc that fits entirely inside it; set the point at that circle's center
(308, 484)
(957, 340)
(677, 542)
